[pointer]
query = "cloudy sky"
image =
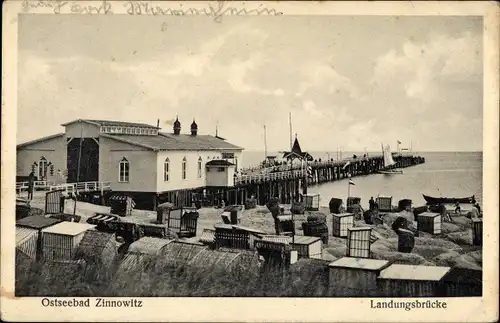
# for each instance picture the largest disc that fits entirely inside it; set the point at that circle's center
(352, 81)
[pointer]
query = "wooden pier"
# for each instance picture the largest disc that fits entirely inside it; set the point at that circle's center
(288, 185)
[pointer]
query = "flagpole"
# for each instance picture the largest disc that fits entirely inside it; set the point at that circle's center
(265, 144)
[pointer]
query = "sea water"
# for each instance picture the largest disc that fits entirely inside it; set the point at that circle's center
(451, 174)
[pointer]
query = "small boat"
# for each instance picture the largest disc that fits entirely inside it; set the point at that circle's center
(388, 162)
(448, 200)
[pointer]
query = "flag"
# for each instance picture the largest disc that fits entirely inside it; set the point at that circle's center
(347, 164)
(351, 182)
(399, 142)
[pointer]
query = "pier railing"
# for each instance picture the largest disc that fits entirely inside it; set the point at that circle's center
(264, 177)
(287, 168)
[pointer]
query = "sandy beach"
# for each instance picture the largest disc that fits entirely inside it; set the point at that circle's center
(453, 247)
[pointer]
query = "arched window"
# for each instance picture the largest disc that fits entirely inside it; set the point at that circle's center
(166, 170)
(124, 171)
(184, 168)
(42, 168)
(199, 167)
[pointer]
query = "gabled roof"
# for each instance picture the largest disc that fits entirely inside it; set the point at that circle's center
(107, 123)
(164, 141)
(297, 152)
(40, 140)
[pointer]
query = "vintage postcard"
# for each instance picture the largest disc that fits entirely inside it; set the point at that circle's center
(249, 161)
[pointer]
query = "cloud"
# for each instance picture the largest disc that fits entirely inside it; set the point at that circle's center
(244, 76)
(416, 68)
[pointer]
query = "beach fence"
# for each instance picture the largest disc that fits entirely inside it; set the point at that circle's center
(355, 277)
(61, 240)
(399, 280)
(29, 235)
(54, 202)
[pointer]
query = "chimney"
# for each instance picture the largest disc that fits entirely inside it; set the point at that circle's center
(194, 128)
(158, 123)
(177, 126)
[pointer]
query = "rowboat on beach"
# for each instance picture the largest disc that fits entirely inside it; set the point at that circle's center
(448, 200)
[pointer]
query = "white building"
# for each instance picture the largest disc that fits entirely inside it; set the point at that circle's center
(134, 158)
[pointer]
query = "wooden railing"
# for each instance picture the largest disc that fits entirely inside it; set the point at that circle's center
(263, 177)
(38, 185)
(285, 168)
(82, 187)
(67, 187)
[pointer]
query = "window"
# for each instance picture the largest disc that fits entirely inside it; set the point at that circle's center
(184, 168)
(221, 169)
(166, 170)
(42, 168)
(199, 167)
(124, 171)
(235, 163)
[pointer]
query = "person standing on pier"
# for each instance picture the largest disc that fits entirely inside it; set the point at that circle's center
(31, 185)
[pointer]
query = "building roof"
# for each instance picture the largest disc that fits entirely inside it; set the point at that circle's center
(37, 222)
(40, 140)
(360, 263)
(68, 228)
(107, 123)
(412, 272)
(164, 141)
(219, 162)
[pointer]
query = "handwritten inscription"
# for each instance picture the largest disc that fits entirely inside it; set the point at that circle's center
(217, 10)
(74, 7)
